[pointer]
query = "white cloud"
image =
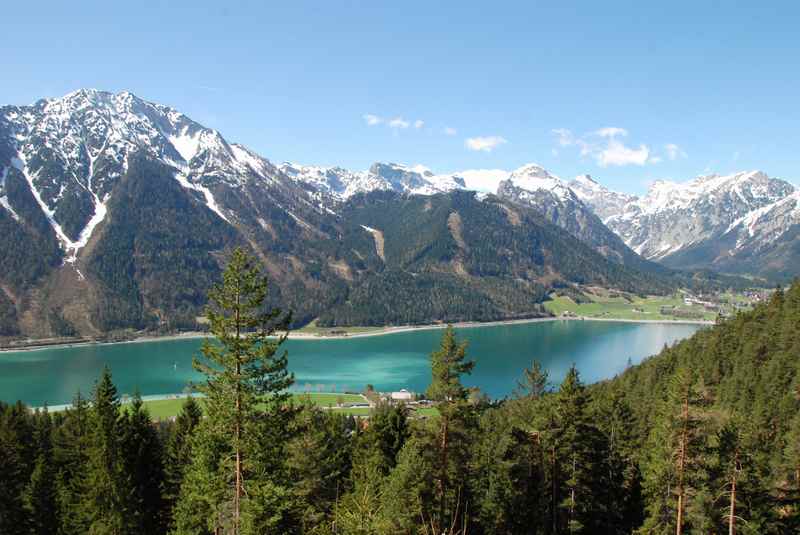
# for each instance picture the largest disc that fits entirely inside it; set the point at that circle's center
(486, 180)
(399, 122)
(736, 156)
(565, 138)
(674, 151)
(448, 131)
(372, 120)
(485, 143)
(616, 153)
(605, 147)
(419, 123)
(611, 131)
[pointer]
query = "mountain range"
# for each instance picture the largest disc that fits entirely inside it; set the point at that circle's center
(116, 213)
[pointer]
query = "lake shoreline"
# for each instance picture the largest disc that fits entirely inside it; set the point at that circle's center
(295, 335)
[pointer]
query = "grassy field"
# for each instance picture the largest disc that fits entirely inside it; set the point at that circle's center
(611, 305)
(313, 329)
(167, 408)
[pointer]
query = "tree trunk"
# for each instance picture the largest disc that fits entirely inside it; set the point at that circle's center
(238, 430)
(443, 474)
(572, 496)
(732, 513)
(554, 489)
(682, 463)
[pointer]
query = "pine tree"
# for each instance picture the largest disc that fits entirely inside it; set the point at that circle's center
(141, 449)
(108, 503)
(177, 455)
(385, 435)
(244, 369)
(41, 496)
(578, 444)
(319, 460)
(673, 470)
(448, 364)
(70, 455)
(13, 469)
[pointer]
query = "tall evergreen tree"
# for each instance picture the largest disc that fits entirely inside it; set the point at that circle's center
(141, 448)
(578, 444)
(14, 473)
(243, 369)
(448, 364)
(675, 464)
(177, 455)
(41, 495)
(108, 503)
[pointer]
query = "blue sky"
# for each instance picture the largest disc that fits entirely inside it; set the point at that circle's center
(626, 91)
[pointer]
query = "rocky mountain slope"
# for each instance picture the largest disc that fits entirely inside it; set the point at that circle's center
(535, 187)
(717, 222)
(116, 212)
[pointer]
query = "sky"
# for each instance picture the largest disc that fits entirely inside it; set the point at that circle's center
(629, 92)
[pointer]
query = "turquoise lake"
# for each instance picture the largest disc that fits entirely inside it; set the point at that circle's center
(389, 362)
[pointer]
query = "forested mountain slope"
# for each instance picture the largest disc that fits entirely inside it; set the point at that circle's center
(115, 212)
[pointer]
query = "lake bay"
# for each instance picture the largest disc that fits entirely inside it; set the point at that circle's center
(389, 362)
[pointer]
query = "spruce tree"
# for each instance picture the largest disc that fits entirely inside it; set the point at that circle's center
(578, 444)
(71, 457)
(13, 470)
(177, 455)
(674, 466)
(41, 496)
(108, 503)
(141, 448)
(244, 371)
(448, 364)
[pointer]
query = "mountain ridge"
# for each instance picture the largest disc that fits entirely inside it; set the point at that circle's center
(117, 213)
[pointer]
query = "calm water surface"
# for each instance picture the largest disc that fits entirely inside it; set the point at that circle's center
(389, 362)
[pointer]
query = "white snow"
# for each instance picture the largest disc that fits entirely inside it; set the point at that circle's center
(209, 197)
(248, 159)
(3, 199)
(533, 177)
(66, 242)
(186, 145)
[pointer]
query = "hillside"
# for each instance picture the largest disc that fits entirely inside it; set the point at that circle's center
(116, 212)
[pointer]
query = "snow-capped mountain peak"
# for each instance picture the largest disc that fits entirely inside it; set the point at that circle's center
(342, 183)
(91, 134)
(535, 178)
(674, 216)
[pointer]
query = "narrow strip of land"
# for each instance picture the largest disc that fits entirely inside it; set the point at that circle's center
(350, 332)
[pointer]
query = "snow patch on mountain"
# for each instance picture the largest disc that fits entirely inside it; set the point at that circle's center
(186, 144)
(3, 198)
(70, 247)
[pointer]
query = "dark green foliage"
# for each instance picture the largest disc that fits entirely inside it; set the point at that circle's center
(8, 316)
(245, 370)
(41, 494)
(177, 453)
(453, 257)
(30, 248)
(712, 420)
(319, 461)
(158, 246)
(143, 458)
(108, 504)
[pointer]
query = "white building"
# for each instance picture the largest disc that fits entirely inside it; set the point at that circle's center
(403, 395)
